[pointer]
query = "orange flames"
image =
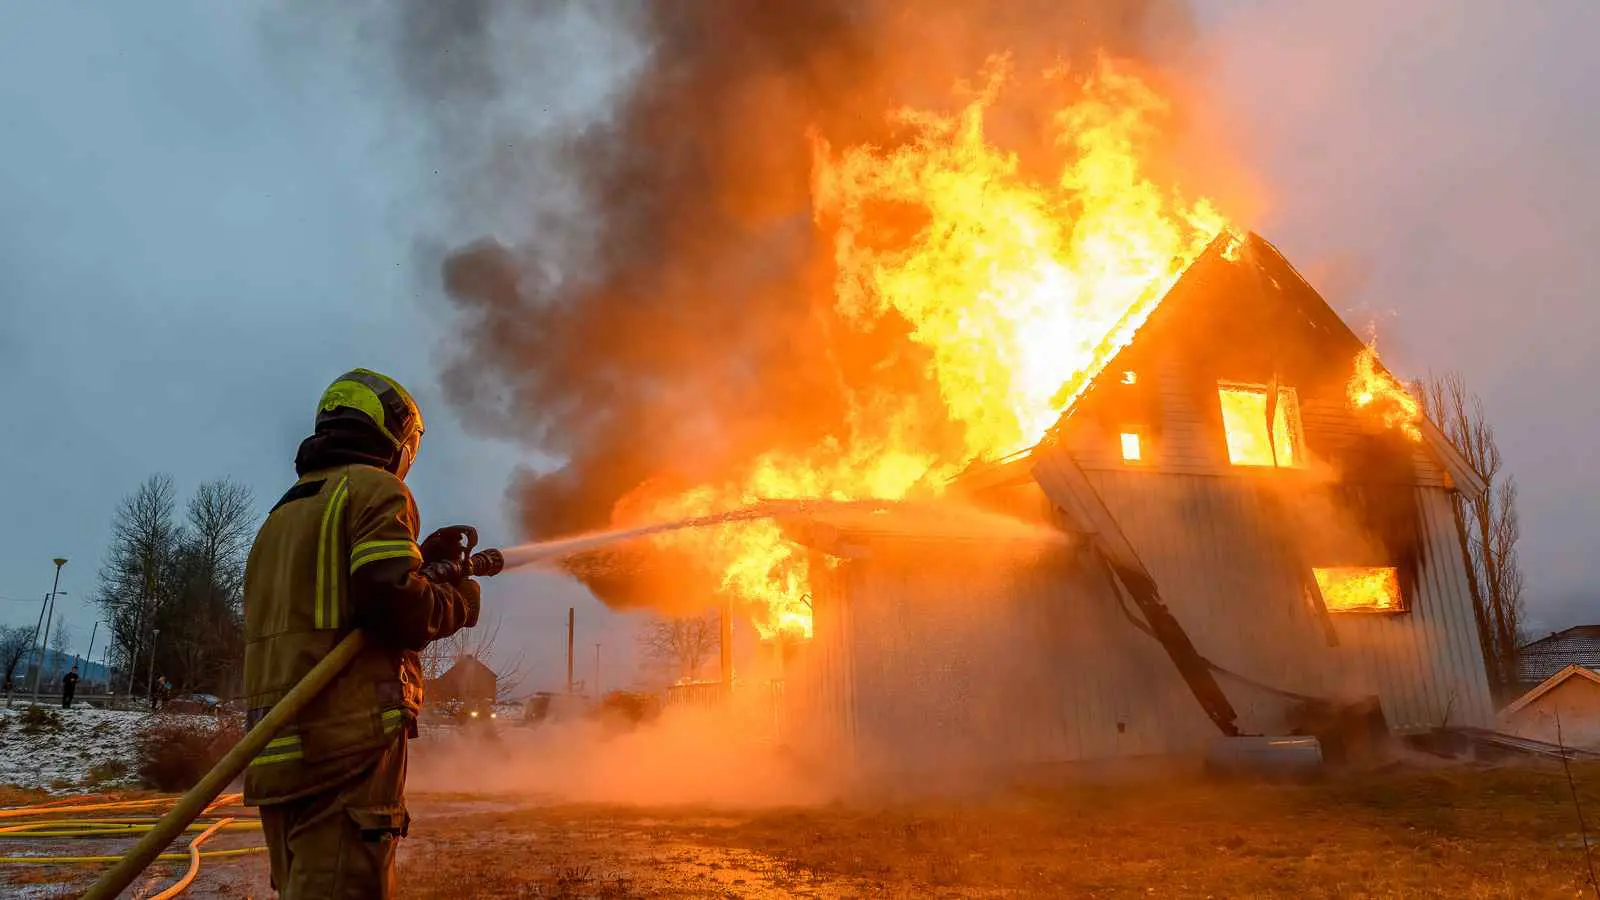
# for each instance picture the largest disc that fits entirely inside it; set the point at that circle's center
(1359, 589)
(1372, 388)
(1018, 289)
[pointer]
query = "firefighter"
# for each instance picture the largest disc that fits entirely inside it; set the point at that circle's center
(339, 551)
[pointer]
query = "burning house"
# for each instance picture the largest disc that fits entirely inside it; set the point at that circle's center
(1255, 523)
(1226, 516)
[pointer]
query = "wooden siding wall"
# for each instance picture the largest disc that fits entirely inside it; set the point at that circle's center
(1236, 578)
(1181, 428)
(819, 695)
(957, 662)
(931, 657)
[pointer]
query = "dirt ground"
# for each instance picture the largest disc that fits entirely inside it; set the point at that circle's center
(1459, 832)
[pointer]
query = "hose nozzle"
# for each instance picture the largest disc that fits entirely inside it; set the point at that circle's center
(482, 564)
(485, 563)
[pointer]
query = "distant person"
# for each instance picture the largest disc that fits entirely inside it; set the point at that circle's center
(157, 689)
(69, 686)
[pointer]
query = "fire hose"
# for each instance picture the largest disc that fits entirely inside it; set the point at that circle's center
(199, 798)
(44, 820)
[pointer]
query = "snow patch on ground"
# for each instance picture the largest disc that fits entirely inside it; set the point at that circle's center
(60, 761)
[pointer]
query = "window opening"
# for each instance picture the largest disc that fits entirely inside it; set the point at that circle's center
(1360, 588)
(1244, 423)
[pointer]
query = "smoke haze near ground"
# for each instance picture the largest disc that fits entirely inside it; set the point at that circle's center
(685, 757)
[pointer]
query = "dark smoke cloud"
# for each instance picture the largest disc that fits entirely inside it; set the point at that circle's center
(653, 303)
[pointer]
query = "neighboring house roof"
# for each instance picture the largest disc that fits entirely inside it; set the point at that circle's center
(1550, 684)
(468, 676)
(468, 667)
(1578, 645)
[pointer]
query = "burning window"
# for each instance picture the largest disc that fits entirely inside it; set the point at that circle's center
(1244, 421)
(1131, 450)
(1360, 589)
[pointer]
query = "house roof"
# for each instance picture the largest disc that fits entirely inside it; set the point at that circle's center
(1578, 645)
(468, 664)
(1272, 268)
(468, 674)
(1550, 684)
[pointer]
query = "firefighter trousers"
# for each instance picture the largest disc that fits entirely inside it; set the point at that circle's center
(340, 842)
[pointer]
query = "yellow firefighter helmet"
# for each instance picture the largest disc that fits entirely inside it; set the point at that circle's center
(380, 400)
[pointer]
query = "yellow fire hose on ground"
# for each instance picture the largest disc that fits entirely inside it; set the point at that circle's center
(56, 819)
(200, 797)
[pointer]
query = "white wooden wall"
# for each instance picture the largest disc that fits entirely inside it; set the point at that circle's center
(1225, 566)
(932, 657)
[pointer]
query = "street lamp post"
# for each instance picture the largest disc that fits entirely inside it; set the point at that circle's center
(33, 643)
(150, 679)
(88, 655)
(50, 602)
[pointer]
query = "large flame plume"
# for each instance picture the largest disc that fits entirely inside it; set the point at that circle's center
(1017, 289)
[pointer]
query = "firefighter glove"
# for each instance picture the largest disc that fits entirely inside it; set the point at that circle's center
(452, 543)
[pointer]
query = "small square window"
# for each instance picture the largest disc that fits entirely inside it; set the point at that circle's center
(1244, 423)
(1132, 451)
(1360, 589)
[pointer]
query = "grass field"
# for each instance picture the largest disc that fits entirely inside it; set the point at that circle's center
(1458, 832)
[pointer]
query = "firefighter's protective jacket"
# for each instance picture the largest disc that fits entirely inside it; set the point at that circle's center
(339, 551)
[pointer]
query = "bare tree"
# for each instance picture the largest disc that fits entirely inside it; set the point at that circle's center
(185, 579)
(221, 527)
(15, 642)
(139, 566)
(1489, 523)
(479, 643)
(680, 646)
(61, 643)
(202, 625)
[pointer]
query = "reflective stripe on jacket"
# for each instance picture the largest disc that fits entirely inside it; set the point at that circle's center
(297, 606)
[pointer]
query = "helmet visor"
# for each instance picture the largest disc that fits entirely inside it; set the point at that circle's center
(408, 453)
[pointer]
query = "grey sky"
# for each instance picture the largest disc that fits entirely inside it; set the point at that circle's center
(200, 230)
(195, 241)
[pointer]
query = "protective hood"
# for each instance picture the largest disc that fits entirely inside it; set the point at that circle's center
(346, 442)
